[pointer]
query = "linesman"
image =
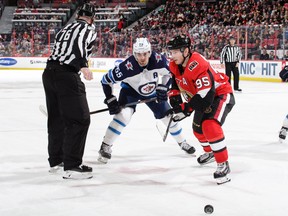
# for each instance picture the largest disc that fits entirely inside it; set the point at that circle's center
(231, 55)
(67, 107)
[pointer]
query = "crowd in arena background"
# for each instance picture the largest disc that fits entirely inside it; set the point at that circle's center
(257, 25)
(1, 7)
(209, 26)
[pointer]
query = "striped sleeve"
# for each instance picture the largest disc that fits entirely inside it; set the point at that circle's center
(223, 53)
(239, 54)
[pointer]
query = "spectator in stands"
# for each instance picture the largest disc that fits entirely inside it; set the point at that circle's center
(207, 23)
(2, 49)
(264, 55)
(273, 56)
(285, 57)
(120, 25)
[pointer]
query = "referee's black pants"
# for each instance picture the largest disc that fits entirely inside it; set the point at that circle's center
(231, 67)
(68, 115)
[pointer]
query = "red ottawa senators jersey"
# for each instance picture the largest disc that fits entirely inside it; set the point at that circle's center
(196, 78)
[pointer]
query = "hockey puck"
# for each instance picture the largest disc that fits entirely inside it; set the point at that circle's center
(208, 209)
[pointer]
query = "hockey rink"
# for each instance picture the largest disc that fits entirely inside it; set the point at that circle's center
(145, 177)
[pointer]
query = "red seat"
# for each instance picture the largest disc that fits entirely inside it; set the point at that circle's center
(250, 45)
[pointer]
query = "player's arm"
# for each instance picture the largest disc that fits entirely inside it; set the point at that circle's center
(174, 94)
(205, 92)
(201, 101)
(165, 73)
(108, 80)
(164, 81)
(162, 89)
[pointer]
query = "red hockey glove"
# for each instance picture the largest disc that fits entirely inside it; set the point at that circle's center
(185, 111)
(175, 98)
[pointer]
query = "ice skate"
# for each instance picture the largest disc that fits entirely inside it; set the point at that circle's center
(283, 134)
(57, 169)
(186, 147)
(221, 174)
(104, 153)
(207, 157)
(81, 172)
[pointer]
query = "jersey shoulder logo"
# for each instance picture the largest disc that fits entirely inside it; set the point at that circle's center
(129, 65)
(158, 57)
(192, 65)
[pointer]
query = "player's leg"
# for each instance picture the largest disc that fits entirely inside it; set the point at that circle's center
(118, 123)
(212, 130)
(284, 129)
(114, 130)
(160, 111)
(208, 156)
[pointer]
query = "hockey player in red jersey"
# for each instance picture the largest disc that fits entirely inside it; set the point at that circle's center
(207, 93)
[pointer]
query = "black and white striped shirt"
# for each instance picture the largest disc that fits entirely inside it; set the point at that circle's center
(230, 54)
(73, 44)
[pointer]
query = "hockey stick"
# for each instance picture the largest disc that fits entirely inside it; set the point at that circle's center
(163, 129)
(167, 129)
(43, 109)
(127, 105)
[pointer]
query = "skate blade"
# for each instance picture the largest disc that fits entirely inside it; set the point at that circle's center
(102, 160)
(192, 155)
(208, 162)
(77, 176)
(223, 180)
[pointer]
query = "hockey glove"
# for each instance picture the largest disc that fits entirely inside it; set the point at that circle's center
(182, 111)
(175, 98)
(161, 93)
(112, 104)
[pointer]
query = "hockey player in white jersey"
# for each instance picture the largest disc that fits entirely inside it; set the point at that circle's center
(143, 75)
(284, 129)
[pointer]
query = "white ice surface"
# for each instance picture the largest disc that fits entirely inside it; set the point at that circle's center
(145, 176)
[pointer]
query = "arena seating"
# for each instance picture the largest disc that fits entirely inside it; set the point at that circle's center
(255, 24)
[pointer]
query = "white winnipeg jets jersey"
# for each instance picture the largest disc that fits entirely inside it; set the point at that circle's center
(142, 79)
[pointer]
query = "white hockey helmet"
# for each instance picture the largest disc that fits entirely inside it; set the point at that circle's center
(141, 45)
